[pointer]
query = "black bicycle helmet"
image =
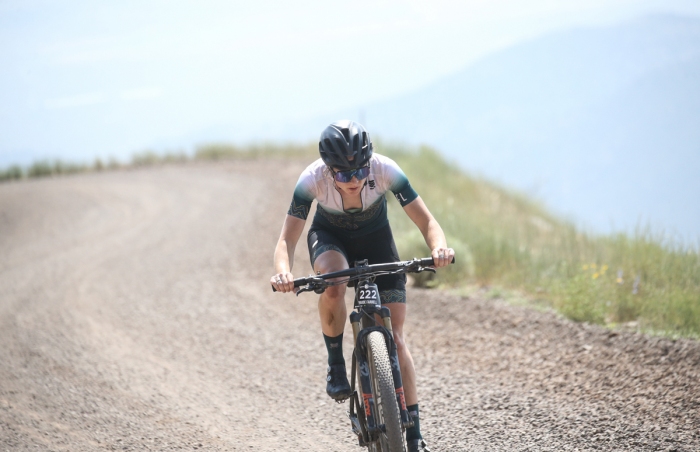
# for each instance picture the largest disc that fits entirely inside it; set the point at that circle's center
(342, 141)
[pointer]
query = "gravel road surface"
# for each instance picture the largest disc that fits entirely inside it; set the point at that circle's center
(135, 314)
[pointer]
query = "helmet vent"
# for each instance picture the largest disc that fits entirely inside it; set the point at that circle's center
(329, 144)
(346, 133)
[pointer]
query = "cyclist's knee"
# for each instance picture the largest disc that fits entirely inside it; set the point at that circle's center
(334, 294)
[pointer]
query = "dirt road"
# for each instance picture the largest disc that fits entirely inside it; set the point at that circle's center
(135, 314)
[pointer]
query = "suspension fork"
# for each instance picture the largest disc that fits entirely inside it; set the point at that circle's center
(360, 369)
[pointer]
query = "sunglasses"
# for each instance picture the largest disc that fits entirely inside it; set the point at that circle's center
(346, 176)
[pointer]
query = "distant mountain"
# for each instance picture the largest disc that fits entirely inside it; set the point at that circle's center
(602, 124)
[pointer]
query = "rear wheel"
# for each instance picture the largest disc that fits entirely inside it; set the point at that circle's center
(384, 394)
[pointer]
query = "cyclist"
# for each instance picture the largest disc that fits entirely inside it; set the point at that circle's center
(349, 183)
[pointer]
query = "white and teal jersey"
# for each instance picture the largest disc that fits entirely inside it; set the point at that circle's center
(316, 182)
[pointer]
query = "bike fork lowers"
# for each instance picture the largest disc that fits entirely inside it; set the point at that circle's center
(363, 422)
(360, 367)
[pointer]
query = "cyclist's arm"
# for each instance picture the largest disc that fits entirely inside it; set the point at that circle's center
(284, 253)
(434, 237)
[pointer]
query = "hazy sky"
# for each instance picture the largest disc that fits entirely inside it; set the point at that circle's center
(83, 78)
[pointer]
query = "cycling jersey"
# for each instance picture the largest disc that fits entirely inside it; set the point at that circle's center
(316, 182)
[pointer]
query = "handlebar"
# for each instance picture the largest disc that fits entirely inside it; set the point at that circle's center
(413, 266)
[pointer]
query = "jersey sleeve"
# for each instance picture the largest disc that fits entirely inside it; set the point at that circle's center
(302, 198)
(399, 184)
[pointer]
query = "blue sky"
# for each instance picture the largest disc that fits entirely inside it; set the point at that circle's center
(85, 79)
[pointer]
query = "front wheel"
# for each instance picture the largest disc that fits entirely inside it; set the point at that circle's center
(384, 394)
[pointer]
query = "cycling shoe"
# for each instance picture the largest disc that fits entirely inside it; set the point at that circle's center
(337, 386)
(417, 445)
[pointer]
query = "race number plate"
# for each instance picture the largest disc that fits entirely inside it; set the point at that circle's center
(368, 294)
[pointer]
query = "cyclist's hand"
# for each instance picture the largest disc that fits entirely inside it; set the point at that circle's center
(443, 256)
(283, 282)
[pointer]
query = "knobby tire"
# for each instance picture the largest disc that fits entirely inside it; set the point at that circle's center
(384, 395)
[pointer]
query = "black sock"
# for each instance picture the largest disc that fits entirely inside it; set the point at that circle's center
(334, 345)
(413, 432)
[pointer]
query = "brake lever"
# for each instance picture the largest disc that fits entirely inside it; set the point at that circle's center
(424, 269)
(318, 288)
(302, 290)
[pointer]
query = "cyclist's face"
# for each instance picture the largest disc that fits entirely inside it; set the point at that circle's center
(351, 188)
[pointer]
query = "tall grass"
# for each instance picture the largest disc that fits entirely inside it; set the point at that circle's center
(13, 172)
(48, 168)
(252, 151)
(503, 238)
(212, 151)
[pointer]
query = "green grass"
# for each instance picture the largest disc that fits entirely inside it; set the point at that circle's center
(504, 241)
(13, 172)
(254, 151)
(48, 168)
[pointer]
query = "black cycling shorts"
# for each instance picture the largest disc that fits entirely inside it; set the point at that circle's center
(377, 247)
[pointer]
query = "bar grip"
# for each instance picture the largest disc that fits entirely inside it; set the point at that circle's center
(297, 282)
(428, 261)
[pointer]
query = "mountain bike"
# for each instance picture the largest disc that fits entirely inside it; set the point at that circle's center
(377, 410)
